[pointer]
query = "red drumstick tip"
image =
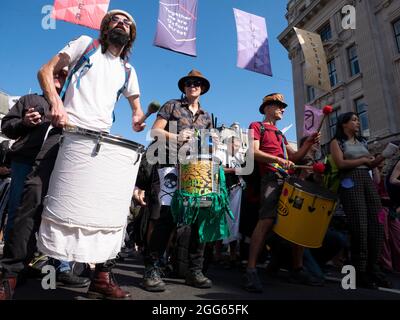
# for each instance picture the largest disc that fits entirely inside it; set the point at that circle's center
(327, 110)
(319, 167)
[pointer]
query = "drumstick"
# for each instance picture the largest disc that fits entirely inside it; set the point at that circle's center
(327, 110)
(302, 167)
(212, 120)
(153, 107)
(317, 167)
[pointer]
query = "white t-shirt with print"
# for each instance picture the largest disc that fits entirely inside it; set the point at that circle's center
(91, 106)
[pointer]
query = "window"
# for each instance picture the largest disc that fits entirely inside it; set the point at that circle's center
(396, 28)
(332, 72)
(353, 60)
(362, 113)
(326, 32)
(332, 121)
(310, 93)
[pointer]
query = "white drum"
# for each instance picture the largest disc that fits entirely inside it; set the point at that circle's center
(90, 189)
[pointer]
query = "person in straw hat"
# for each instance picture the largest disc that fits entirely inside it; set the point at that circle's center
(274, 156)
(99, 73)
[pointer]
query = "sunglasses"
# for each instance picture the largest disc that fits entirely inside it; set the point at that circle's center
(195, 83)
(125, 21)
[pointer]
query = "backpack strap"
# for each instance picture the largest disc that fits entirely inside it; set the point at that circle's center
(127, 75)
(84, 61)
(122, 89)
(285, 154)
(284, 140)
(262, 131)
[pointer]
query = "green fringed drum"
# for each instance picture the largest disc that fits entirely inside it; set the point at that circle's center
(200, 177)
(202, 198)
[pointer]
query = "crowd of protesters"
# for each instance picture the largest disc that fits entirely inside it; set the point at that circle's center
(366, 235)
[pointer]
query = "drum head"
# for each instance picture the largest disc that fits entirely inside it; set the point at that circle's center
(102, 136)
(124, 142)
(202, 157)
(312, 188)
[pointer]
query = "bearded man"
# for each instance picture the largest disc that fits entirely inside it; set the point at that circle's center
(87, 101)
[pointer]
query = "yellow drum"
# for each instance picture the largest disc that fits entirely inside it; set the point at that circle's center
(304, 213)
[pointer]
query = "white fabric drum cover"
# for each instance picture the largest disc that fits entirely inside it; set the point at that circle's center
(88, 200)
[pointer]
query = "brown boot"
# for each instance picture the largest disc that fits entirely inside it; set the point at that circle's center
(103, 286)
(7, 287)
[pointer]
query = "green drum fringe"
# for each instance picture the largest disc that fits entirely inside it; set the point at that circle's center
(211, 221)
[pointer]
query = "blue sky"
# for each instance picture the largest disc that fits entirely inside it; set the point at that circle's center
(235, 93)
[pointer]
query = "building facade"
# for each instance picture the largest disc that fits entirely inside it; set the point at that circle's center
(363, 64)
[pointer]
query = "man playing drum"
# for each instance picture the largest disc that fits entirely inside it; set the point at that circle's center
(187, 115)
(88, 103)
(274, 156)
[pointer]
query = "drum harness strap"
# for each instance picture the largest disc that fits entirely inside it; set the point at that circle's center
(84, 61)
(276, 166)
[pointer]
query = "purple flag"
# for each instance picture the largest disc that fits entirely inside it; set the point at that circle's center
(176, 27)
(253, 49)
(312, 119)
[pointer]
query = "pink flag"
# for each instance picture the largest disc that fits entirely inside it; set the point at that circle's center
(88, 13)
(312, 119)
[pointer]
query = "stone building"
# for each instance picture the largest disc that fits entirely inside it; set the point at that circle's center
(363, 64)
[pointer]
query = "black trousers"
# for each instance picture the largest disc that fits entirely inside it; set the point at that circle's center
(157, 245)
(21, 244)
(361, 203)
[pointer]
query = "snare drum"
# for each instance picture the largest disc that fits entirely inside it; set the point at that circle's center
(199, 177)
(304, 213)
(92, 184)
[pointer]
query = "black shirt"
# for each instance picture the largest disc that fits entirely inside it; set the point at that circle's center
(28, 139)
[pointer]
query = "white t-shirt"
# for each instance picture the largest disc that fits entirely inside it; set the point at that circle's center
(91, 106)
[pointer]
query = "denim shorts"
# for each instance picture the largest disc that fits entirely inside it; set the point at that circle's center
(271, 188)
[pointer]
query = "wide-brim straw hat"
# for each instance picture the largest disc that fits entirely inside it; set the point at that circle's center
(273, 98)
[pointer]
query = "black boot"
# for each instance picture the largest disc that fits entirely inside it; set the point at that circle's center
(198, 279)
(69, 279)
(152, 279)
